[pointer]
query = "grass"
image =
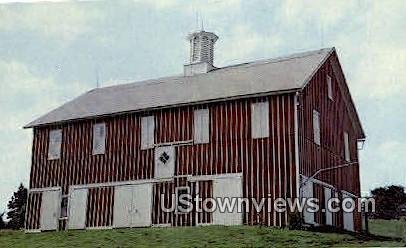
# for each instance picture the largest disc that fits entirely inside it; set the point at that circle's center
(388, 228)
(208, 236)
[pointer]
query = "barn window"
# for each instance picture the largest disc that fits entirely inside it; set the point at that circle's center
(147, 132)
(329, 88)
(316, 127)
(182, 199)
(54, 145)
(99, 138)
(64, 207)
(346, 147)
(165, 157)
(201, 126)
(260, 120)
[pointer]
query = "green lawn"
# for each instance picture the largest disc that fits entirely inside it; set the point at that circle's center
(389, 228)
(239, 236)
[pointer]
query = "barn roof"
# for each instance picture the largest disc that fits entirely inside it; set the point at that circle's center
(258, 77)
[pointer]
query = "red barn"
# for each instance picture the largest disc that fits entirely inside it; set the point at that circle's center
(276, 128)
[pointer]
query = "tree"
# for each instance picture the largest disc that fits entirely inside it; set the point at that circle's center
(2, 223)
(387, 201)
(16, 206)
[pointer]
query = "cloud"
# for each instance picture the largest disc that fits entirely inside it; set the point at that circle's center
(369, 35)
(294, 13)
(19, 87)
(30, 1)
(381, 67)
(383, 72)
(23, 97)
(388, 160)
(207, 6)
(243, 43)
(61, 21)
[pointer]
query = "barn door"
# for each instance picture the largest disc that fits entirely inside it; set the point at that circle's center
(122, 206)
(132, 205)
(329, 214)
(141, 205)
(348, 218)
(227, 188)
(77, 209)
(50, 208)
(307, 193)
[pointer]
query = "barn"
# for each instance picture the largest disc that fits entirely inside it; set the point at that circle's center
(120, 156)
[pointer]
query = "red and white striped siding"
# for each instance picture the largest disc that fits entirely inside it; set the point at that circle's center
(268, 164)
(32, 221)
(334, 120)
(159, 217)
(100, 207)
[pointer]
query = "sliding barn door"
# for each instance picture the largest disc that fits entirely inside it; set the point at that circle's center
(227, 188)
(77, 209)
(132, 205)
(348, 217)
(307, 193)
(329, 214)
(50, 210)
(122, 206)
(142, 205)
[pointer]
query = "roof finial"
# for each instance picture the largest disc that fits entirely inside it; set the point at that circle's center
(97, 76)
(202, 24)
(197, 20)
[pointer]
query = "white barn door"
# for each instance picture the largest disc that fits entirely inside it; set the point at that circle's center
(122, 206)
(307, 192)
(227, 188)
(348, 217)
(50, 210)
(77, 209)
(132, 205)
(329, 214)
(142, 205)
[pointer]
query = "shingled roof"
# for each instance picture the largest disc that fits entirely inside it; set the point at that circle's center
(259, 77)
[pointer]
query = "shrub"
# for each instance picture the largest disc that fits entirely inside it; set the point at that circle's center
(295, 221)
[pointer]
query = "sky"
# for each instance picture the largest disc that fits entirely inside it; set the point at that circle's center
(51, 52)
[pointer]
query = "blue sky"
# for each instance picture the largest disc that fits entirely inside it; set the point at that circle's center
(52, 52)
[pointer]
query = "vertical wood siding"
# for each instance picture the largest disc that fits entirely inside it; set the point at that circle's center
(205, 190)
(100, 207)
(165, 192)
(33, 211)
(334, 120)
(267, 164)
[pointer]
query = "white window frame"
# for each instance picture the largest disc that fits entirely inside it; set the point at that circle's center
(329, 87)
(99, 142)
(347, 154)
(201, 126)
(54, 144)
(260, 120)
(177, 189)
(316, 127)
(147, 132)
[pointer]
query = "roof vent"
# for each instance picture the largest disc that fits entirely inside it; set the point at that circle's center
(201, 52)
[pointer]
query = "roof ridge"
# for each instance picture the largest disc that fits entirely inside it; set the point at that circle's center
(159, 80)
(279, 58)
(262, 76)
